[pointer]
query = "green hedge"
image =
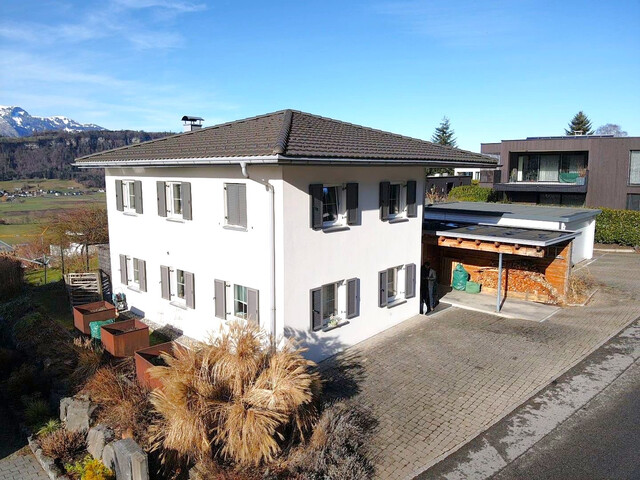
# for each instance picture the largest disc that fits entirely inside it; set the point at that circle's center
(618, 226)
(472, 193)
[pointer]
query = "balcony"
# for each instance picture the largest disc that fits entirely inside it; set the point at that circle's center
(570, 183)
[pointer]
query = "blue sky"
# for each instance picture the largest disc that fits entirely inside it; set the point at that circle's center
(498, 70)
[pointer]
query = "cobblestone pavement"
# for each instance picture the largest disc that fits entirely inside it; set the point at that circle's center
(21, 465)
(436, 382)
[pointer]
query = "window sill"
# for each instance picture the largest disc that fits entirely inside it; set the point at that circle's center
(130, 214)
(175, 219)
(133, 288)
(397, 302)
(398, 220)
(237, 228)
(336, 228)
(180, 305)
(342, 323)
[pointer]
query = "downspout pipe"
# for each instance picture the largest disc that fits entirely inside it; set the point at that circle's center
(272, 241)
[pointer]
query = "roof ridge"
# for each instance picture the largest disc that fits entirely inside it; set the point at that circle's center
(283, 138)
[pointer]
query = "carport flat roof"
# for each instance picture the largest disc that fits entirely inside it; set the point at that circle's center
(520, 236)
(513, 210)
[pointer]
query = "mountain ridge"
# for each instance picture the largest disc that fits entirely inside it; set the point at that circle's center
(17, 122)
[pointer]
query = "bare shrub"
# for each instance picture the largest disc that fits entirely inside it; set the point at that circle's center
(336, 450)
(90, 358)
(63, 444)
(122, 402)
(235, 398)
(581, 285)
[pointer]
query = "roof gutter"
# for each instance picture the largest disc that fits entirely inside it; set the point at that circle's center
(263, 159)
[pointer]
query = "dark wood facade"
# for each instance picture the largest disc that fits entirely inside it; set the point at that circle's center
(608, 166)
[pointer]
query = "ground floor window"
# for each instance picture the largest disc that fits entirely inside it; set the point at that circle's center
(333, 303)
(633, 202)
(240, 303)
(392, 277)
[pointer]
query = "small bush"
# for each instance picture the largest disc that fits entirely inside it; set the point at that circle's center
(336, 450)
(11, 277)
(472, 193)
(63, 445)
(90, 469)
(90, 358)
(580, 287)
(36, 412)
(48, 428)
(618, 226)
(25, 380)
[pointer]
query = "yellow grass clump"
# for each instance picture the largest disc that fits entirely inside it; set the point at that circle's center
(236, 398)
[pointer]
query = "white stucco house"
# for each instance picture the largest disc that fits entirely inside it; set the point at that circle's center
(309, 226)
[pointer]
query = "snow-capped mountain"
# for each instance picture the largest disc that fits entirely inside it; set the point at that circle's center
(16, 122)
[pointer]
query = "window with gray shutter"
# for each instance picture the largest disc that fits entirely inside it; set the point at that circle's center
(385, 188)
(412, 206)
(316, 308)
(137, 191)
(162, 198)
(382, 287)
(353, 297)
(189, 290)
(220, 298)
(352, 203)
(165, 282)
(253, 313)
(142, 275)
(315, 193)
(123, 270)
(410, 280)
(186, 201)
(236, 202)
(119, 200)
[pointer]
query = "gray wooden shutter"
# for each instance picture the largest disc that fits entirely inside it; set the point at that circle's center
(119, 202)
(165, 282)
(382, 287)
(186, 201)
(253, 312)
(189, 289)
(162, 201)
(242, 205)
(123, 269)
(315, 192)
(352, 203)
(385, 188)
(353, 297)
(137, 191)
(410, 280)
(236, 204)
(412, 207)
(220, 293)
(142, 275)
(316, 309)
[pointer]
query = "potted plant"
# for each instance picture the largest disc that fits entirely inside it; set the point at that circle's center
(83, 315)
(150, 357)
(335, 321)
(582, 175)
(123, 339)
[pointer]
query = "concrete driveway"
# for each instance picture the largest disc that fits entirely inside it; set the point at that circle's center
(436, 382)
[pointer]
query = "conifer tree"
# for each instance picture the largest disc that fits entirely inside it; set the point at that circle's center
(444, 134)
(579, 125)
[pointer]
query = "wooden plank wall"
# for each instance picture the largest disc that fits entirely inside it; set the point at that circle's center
(543, 279)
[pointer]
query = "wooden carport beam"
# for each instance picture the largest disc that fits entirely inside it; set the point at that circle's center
(496, 247)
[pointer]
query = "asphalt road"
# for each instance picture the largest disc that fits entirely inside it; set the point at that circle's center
(600, 441)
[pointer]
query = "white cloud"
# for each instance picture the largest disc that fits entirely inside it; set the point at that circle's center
(178, 6)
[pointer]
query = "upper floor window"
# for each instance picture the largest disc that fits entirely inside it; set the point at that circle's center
(236, 205)
(398, 200)
(634, 168)
(129, 196)
(174, 200)
(334, 205)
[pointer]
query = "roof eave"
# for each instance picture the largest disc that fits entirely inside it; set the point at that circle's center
(177, 162)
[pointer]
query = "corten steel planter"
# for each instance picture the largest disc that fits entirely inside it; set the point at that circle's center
(92, 312)
(150, 357)
(122, 339)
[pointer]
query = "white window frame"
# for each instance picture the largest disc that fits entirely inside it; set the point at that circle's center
(169, 200)
(129, 196)
(341, 217)
(245, 302)
(339, 299)
(133, 269)
(402, 200)
(174, 286)
(631, 159)
(399, 284)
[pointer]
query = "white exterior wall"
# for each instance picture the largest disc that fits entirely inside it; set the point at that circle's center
(475, 172)
(201, 246)
(315, 258)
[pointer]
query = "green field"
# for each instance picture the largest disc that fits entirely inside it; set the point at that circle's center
(27, 217)
(45, 184)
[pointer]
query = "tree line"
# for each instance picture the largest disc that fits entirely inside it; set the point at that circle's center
(50, 155)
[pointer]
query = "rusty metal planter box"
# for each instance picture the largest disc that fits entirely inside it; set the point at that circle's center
(144, 361)
(83, 315)
(122, 339)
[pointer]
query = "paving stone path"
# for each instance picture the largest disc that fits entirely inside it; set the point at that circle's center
(21, 465)
(436, 382)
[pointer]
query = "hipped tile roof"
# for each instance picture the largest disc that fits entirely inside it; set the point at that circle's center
(294, 137)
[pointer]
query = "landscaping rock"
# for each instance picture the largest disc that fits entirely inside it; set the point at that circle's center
(127, 459)
(77, 414)
(97, 438)
(48, 464)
